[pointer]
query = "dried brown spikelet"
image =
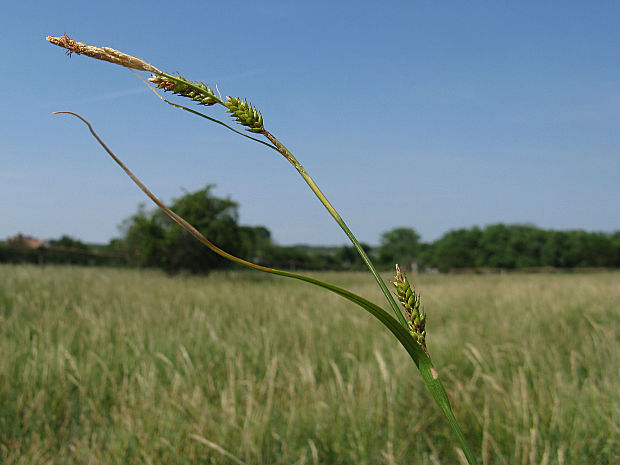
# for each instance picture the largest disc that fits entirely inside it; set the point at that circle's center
(102, 53)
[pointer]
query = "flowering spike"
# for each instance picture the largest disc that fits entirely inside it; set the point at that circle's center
(416, 318)
(196, 91)
(245, 114)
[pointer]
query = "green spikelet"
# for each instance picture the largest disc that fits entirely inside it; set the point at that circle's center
(245, 114)
(197, 91)
(416, 318)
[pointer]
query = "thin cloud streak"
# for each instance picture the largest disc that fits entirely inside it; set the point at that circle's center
(113, 95)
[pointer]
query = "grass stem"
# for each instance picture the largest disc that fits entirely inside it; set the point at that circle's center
(334, 213)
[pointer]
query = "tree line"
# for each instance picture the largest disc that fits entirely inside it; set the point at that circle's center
(522, 246)
(151, 239)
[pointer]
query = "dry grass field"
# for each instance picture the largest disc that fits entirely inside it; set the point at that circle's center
(118, 366)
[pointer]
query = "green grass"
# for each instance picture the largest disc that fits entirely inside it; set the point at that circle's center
(120, 366)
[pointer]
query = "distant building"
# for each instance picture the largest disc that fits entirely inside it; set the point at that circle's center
(25, 242)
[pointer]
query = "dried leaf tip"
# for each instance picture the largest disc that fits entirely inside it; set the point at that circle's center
(102, 53)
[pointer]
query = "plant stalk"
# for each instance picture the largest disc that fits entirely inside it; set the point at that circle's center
(332, 211)
(414, 349)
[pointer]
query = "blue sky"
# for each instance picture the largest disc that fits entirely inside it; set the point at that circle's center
(431, 115)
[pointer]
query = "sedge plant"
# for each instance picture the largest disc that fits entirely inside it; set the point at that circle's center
(408, 323)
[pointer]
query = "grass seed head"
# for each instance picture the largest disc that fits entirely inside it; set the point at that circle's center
(416, 318)
(197, 91)
(102, 53)
(245, 114)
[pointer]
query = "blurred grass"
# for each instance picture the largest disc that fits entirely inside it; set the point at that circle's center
(121, 366)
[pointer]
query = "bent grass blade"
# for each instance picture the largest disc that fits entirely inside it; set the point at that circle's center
(413, 348)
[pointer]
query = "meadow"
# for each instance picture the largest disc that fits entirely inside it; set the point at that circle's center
(118, 366)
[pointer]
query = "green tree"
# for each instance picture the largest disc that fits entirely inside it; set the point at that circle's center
(154, 240)
(597, 250)
(399, 245)
(257, 241)
(513, 246)
(527, 244)
(69, 242)
(144, 238)
(614, 239)
(458, 249)
(494, 250)
(347, 256)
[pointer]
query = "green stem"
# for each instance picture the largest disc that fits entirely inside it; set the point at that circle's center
(304, 174)
(332, 211)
